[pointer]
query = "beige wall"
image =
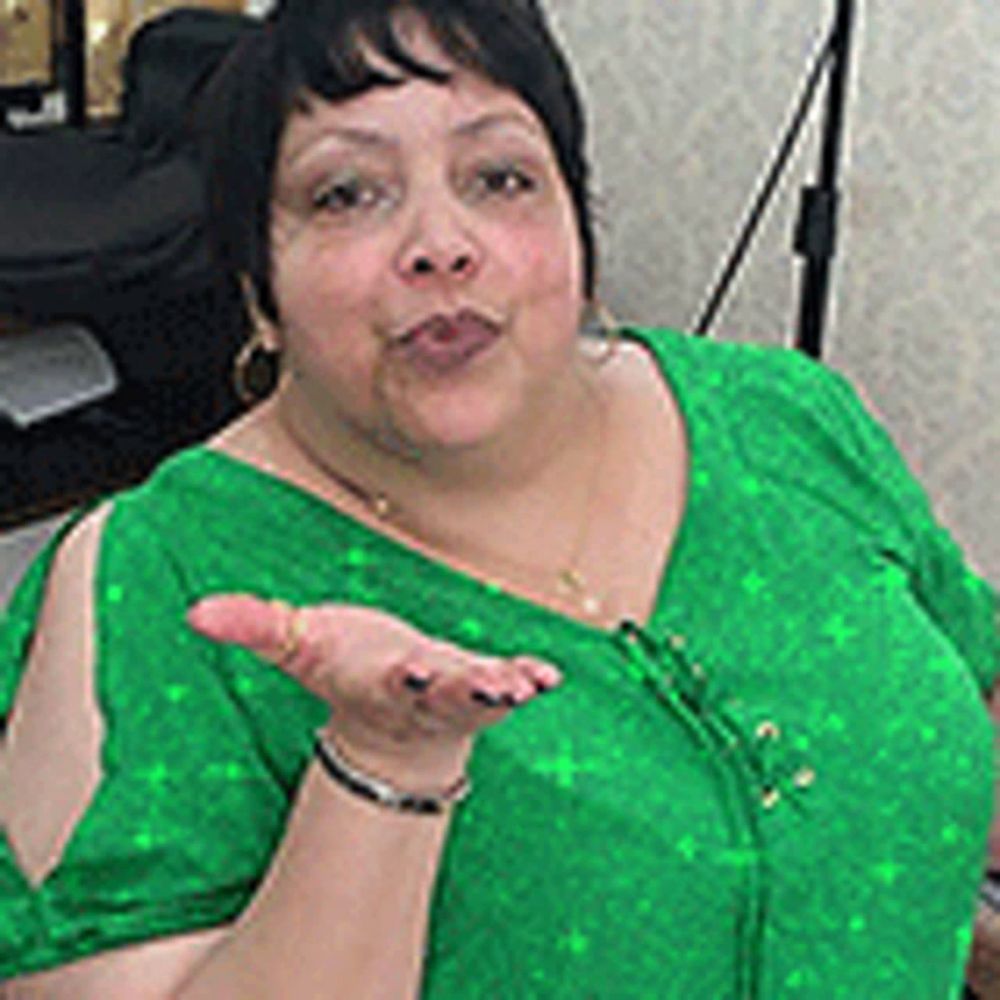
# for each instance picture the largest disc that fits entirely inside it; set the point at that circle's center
(24, 42)
(687, 102)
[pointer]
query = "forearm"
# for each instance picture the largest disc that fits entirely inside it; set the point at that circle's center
(343, 909)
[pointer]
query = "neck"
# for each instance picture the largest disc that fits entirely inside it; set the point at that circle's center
(439, 490)
(526, 515)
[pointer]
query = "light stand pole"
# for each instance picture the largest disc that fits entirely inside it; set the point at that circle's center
(815, 236)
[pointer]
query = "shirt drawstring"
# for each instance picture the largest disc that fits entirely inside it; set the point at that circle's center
(739, 767)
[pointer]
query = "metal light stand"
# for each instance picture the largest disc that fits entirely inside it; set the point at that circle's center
(815, 235)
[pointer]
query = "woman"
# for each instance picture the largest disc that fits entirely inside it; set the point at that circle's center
(766, 769)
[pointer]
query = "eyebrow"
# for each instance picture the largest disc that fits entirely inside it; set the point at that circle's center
(493, 119)
(378, 140)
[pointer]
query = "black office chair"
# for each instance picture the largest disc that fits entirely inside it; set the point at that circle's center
(169, 60)
(104, 227)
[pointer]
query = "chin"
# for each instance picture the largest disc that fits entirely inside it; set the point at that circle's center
(457, 424)
(455, 438)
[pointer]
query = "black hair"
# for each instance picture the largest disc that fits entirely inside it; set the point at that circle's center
(314, 47)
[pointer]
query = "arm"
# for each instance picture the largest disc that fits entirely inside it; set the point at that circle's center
(49, 770)
(342, 911)
(343, 908)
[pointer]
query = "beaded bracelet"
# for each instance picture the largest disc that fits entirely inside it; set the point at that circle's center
(380, 792)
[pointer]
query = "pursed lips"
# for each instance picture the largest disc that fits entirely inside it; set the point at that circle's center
(445, 324)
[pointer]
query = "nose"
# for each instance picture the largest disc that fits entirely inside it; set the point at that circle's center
(439, 249)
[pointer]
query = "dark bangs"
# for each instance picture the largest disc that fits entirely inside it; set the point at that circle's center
(317, 48)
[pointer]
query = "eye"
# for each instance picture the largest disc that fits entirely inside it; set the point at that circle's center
(347, 195)
(506, 180)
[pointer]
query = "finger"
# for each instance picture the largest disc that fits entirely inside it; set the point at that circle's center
(433, 688)
(244, 620)
(480, 687)
(522, 678)
(544, 676)
(463, 703)
(411, 673)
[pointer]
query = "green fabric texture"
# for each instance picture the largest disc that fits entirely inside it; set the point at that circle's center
(642, 832)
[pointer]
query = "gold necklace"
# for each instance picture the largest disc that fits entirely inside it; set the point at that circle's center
(569, 580)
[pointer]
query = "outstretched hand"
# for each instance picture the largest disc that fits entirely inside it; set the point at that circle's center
(391, 687)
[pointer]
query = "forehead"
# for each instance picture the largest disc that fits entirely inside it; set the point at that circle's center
(417, 110)
(467, 106)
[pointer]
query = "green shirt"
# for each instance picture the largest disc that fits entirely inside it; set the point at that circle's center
(778, 787)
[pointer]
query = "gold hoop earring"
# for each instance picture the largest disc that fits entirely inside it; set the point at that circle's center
(257, 367)
(604, 327)
(255, 370)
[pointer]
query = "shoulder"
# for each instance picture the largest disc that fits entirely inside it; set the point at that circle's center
(777, 383)
(773, 368)
(78, 550)
(67, 603)
(747, 361)
(55, 708)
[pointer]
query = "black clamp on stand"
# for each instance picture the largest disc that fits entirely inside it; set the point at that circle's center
(816, 230)
(816, 233)
(815, 241)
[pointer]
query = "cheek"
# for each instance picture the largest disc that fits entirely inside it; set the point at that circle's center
(327, 297)
(546, 259)
(319, 282)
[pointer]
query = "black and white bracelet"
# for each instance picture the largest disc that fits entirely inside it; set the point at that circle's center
(380, 792)
(989, 891)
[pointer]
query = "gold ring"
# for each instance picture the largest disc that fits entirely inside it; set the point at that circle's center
(294, 630)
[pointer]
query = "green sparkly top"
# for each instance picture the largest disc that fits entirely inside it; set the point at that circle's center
(778, 787)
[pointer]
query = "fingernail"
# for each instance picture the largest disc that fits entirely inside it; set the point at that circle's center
(542, 688)
(491, 701)
(415, 683)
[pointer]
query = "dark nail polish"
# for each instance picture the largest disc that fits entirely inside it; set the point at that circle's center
(415, 683)
(541, 688)
(509, 700)
(489, 700)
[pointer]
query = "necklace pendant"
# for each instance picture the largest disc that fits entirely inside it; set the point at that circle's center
(381, 506)
(572, 580)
